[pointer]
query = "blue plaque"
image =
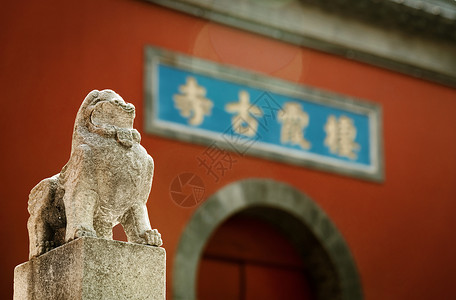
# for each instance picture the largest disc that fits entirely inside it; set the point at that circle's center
(248, 113)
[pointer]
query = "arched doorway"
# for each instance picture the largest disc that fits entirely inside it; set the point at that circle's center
(330, 268)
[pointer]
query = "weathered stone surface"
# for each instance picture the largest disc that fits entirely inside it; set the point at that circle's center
(106, 181)
(92, 268)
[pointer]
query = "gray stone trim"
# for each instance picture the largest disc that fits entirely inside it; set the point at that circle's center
(431, 18)
(157, 55)
(380, 44)
(335, 274)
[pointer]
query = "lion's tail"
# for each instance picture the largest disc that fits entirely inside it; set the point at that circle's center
(43, 193)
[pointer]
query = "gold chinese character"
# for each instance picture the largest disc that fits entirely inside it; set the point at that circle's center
(340, 136)
(192, 103)
(294, 121)
(244, 122)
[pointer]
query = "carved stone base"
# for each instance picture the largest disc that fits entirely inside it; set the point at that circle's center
(91, 268)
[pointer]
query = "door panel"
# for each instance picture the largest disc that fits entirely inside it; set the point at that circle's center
(271, 283)
(219, 280)
(248, 258)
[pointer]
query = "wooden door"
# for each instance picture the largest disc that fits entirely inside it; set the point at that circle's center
(247, 258)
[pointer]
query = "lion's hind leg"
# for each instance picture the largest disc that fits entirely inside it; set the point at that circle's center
(41, 233)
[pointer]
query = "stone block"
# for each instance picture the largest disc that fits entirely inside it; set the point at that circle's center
(92, 268)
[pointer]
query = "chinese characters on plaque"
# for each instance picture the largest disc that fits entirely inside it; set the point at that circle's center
(191, 102)
(192, 105)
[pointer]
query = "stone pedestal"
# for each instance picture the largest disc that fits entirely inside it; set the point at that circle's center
(91, 268)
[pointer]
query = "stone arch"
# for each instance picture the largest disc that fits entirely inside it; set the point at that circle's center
(332, 269)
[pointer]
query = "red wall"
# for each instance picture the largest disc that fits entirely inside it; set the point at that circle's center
(52, 53)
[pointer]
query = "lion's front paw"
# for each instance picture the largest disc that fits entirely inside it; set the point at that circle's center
(48, 246)
(152, 237)
(83, 231)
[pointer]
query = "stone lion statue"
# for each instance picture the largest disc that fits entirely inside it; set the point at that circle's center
(106, 181)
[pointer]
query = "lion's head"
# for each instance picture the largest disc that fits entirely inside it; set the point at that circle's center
(107, 114)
